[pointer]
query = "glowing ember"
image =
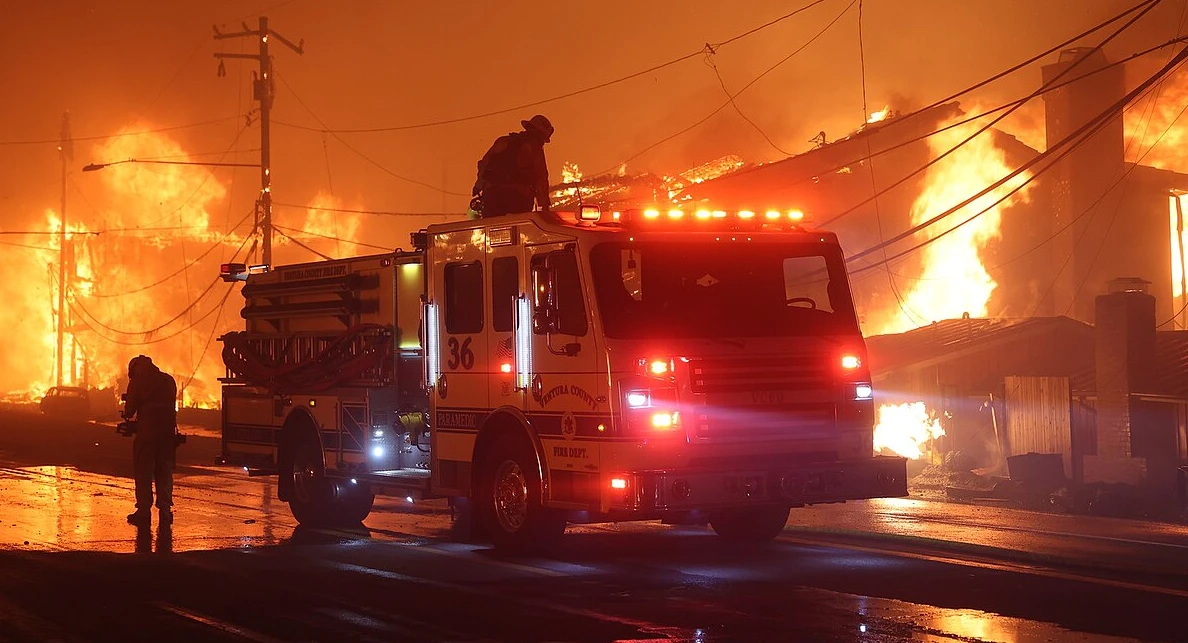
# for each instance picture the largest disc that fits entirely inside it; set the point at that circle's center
(952, 280)
(905, 429)
(570, 173)
(712, 170)
(880, 115)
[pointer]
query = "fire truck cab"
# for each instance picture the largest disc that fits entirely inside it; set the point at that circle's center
(695, 367)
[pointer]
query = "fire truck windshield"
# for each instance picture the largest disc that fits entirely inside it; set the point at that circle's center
(651, 290)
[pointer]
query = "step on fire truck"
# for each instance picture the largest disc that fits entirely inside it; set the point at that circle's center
(694, 367)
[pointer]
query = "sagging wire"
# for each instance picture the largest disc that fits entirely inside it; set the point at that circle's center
(1088, 129)
(571, 94)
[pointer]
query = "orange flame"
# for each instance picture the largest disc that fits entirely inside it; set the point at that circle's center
(1151, 127)
(905, 429)
(952, 280)
(140, 271)
(880, 115)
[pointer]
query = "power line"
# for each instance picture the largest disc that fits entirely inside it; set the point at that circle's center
(361, 155)
(1088, 129)
(179, 315)
(571, 94)
(311, 250)
(956, 95)
(168, 84)
(1150, 5)
(158, 130)
(187, 266)
(911, 314)
(709, 61)
(1114, 216)
(732, 96)
(387, 213)
(326, 236)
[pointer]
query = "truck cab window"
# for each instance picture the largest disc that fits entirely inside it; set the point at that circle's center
(505, 287)
(806, 283)
(464, 297)
(564, 293)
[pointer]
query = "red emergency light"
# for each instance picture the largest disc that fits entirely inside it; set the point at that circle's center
(687, 218)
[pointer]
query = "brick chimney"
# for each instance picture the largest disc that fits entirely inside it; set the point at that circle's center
(1088, 87)
(1125, 351)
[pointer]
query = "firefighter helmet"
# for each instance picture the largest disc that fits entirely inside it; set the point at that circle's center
(540, 125)
(138, 362)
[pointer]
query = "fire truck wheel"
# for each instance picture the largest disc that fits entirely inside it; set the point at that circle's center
(750, 525)
(509, 496)
(353, 505)
(312, 500)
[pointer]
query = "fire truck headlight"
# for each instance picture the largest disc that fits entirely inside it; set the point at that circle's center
(379, 433)
(863, 392)
(377, 452)
(638, 398)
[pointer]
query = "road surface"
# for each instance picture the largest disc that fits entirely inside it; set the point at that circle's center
(236, 567)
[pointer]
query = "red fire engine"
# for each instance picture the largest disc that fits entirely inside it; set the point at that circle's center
(691, 366)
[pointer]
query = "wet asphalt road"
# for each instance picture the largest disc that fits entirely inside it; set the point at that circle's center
(236, 567)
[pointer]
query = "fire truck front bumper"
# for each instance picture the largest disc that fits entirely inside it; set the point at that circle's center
(805, 484)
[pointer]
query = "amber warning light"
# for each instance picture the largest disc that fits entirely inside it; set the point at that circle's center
(240, 271)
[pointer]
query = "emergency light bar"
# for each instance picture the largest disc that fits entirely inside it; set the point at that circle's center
(713, 219)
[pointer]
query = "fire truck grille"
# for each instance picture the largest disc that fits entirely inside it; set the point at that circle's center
(763, 399)
(767, 422)
(787, 373)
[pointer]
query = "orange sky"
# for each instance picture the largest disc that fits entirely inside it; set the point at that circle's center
(118, 64)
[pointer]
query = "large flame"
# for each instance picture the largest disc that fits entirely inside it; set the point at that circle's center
(905, 429)
(952, 280)
(1152, 132)
(124, 276)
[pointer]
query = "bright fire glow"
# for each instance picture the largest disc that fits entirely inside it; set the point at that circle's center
(880, 115)
(145, 266)
(1177, 208)
(905, 429)
(1151, 127)
(952, 280)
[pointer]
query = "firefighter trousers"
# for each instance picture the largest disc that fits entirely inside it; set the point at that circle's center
(152, 464)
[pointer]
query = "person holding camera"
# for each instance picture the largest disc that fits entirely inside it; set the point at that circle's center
(152, 400)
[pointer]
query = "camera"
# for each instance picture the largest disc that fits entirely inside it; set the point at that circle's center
(127, 428)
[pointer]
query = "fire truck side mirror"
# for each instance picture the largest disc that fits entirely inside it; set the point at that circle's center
(544, 308)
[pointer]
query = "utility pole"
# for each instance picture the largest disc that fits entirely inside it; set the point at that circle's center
(66, 153)
(262, 91)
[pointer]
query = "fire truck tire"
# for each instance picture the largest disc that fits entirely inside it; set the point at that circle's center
(750, 525)
(353, 506)
(315, 500)
(509, 498)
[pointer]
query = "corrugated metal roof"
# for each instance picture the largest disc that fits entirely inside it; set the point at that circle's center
(955, 339)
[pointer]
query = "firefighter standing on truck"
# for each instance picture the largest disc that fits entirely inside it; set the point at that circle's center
(152, 399)
(512, 174)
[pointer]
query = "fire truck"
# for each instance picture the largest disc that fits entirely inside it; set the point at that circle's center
(696, 367)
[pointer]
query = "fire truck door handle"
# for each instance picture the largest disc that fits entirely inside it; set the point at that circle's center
(537, 386)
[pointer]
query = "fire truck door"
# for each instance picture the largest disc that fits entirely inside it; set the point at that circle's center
(509, 318)
(567, 396)
(459, 343)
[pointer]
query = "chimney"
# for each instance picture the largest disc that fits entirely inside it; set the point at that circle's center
(1089, 88)
(1125, 352)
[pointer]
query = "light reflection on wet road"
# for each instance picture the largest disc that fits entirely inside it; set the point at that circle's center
(595, 577)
